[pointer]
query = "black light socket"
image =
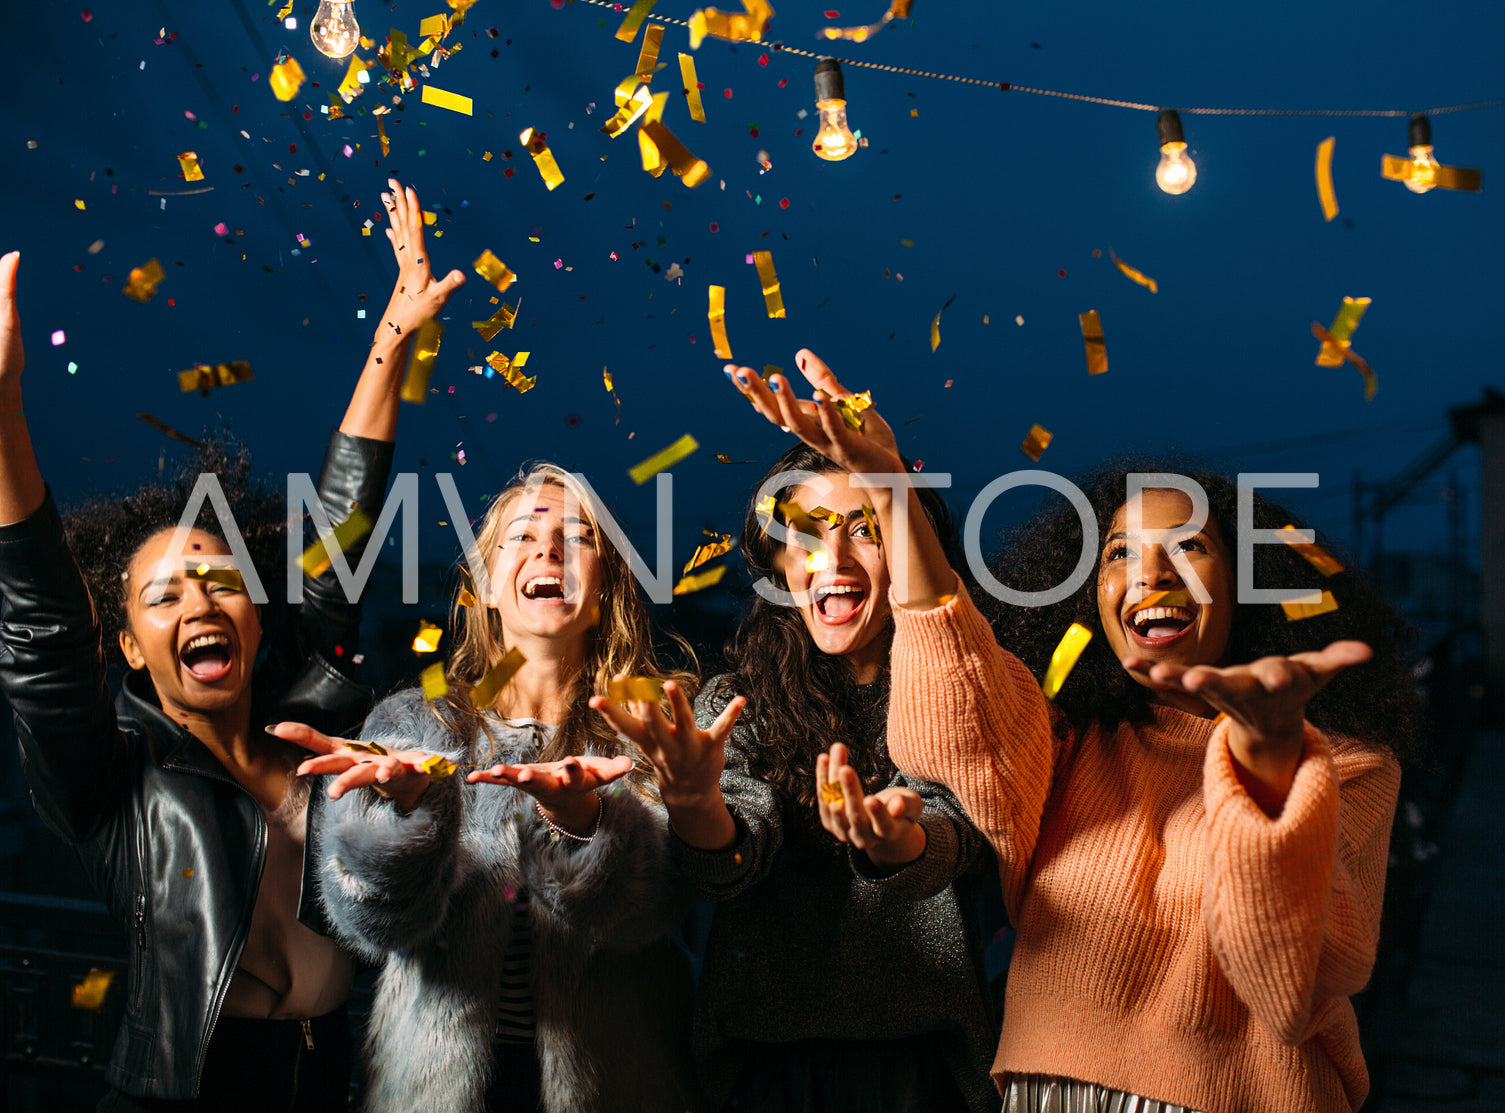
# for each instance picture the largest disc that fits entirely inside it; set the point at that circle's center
(1169, 126)
(1421, 131)
(828, 83)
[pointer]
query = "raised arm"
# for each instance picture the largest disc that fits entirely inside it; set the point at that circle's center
(51, 668)
(916, 562)
(417, 297)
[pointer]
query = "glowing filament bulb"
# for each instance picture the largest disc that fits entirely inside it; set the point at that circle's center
(1176, 172)
(1423, 174)
(834, 141)
(334, 29)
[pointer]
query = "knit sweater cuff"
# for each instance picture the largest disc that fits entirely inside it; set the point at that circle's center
(927, 875)
(714, 871)
(1313, 798)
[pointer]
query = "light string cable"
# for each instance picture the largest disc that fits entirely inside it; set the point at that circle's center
(1009, 87)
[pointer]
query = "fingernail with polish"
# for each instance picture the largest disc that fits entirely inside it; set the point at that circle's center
(727, 371)
(773, 386)
(271, 728)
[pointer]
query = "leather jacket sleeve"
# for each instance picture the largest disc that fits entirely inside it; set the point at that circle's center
(53, 673)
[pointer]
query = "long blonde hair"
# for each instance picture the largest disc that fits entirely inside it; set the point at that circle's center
(620, 642)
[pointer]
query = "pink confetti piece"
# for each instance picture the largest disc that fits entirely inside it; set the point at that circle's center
(749, 258)
(222, 229)
(715, 227)
(58, 338)
(558, 264)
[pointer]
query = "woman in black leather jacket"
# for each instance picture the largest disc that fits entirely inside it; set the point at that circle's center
(184, 813)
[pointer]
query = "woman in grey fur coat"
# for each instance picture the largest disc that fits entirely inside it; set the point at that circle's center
(522, 913)
(843, 971)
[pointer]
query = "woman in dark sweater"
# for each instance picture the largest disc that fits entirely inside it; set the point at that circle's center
(836, 977)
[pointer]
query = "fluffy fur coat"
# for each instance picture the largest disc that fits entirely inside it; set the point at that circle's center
(428, 897)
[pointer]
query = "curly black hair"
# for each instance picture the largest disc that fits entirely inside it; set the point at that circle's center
(1376, 702)
(800, 700)
(105, 532)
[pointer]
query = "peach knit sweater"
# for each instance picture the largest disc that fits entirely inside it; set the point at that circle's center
(1172, 940)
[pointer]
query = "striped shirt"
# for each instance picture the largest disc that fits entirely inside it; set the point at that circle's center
(514, 1020)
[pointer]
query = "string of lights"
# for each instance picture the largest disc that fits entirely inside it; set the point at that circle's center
(1139, 106)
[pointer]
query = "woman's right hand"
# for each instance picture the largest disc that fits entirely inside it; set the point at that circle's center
(689, 761)
(395, 774)
(12, 357)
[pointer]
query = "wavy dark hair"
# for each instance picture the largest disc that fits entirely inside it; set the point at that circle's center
(105, 532)
(800, 700)
(1375, 702)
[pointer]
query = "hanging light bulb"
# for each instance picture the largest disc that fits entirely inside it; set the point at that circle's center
(1423, 170)
(834, 141)
(1176, 172)
(334, 29)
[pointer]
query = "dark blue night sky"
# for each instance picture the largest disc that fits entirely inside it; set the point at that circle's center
(1004, 197)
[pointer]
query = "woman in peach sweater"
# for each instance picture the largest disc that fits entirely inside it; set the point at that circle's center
(1192, 840)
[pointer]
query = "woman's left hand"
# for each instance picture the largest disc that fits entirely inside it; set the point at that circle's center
(817, 422)
(886, 825)
(1266, 703)
(417, 295)
(566, 790)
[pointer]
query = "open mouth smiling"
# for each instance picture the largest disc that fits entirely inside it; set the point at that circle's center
(839, 603)
(544, 589)
(1160, 619)
(208, 657)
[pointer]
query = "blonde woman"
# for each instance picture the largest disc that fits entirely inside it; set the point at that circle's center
(521, 912)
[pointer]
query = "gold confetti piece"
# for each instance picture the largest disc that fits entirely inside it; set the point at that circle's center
(716, 315)
(709, 551)
(688, 585)
(1175, 598)
(764, 510)
(1325, 193)
(502, 318)
(744, 26)
(381, 133)
(648, 56)
(850, 408)
(633, 106)
(351, 84)
(772, 297)
(90, 993)
(78, 203)
(441, 98)
(830, 793)
(818, 561)
(512, 370)
(286, 10)
(1350, 313)
(1134, 273)
(689, 169)
(648, 689)
(187, 873)
(427, 638)
(189, 161)
(286, 78)
(205, 377)
(415, 383)
(434, 26)
(434, 684)
(663, 459)
(935, 331)
(1036, 441)
(629, 29)
(930, 601)
(870, 516)
(141, 283)
(494, 271)
(438, 766)
(163, 427)
(497, 678)
(770, 370)
(1318, 557)
(1064, 659)
(692, 88)
(1445, 177)
(467, 598)
(208, 573)
(365, 747)
(725, 459)
(606, 380)
(821, 514)
(899, 9)
(1298, 609)
(543, 158)
(315, 560)
(1092, 340)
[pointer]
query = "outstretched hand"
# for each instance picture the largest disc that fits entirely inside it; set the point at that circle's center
(817, 422)
(886, 824)
(566, 790)
(12, 357)
(1266, 701)
(394, 774)
(688, 760)
(417, 295)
